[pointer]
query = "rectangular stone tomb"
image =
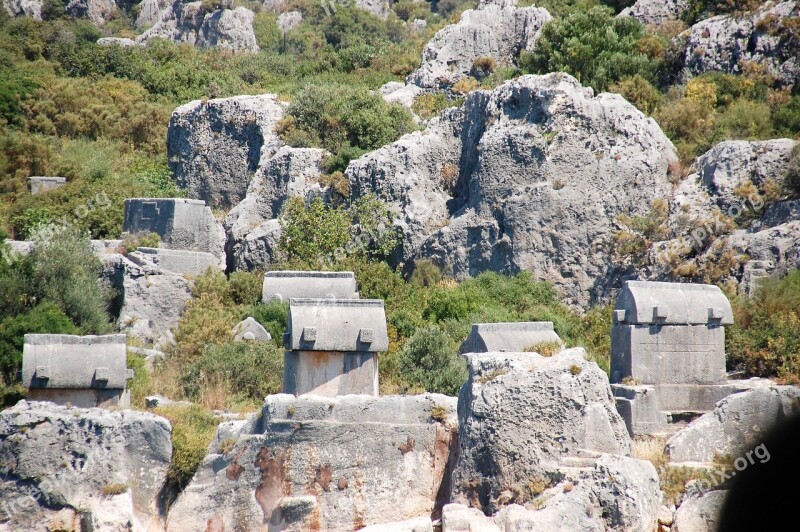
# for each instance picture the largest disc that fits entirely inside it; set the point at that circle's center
(41, 184)
(177, 260)
(181, 223)
(332, 346)
(285, 285)
(86, 371)
(668, 350)
(513, 337)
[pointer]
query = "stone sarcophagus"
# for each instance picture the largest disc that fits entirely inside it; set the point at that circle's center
(332, 346)
(186, 224)
(513, 337)
(86, 371)
(285, 285)
(668, 351)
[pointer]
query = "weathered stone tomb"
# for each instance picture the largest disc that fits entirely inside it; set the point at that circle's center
(509, 337)
(181, 223)
(332, 346)
(285, 285)
(86, 371)
(41, 184)
(668, 351)
(177, 261)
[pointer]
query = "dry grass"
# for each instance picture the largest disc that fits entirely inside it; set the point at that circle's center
(546, 349)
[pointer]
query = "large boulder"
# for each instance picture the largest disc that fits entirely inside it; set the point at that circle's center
(153, 300)
(24, 8)
(699, 514)
(724, 42)
(190, 23)
(655, 11)
(67, 468)
(496, 30)
(324, 463)
(214, 147)
(522, 413)
(100, 12)
(736, 424)
(723, 206)
(530, 176)
(252, 225)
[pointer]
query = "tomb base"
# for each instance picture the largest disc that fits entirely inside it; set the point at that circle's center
(330, 373)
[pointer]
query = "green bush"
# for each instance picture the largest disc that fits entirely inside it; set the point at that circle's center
(273, 316)
(787, 117)
(316, 235)
(41, 319)
(343, 119)
(765, 338)
(594, 46)
(246, 371)
(192, 431)
(65, 270)
(431, 362)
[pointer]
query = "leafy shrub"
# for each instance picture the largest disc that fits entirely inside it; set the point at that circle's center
(787, 117)
(192, 431)
(207, 321)
(317, 235)
(341, 118)
(65, 270)
(273, 316)
(245, 372)
(639, 92)
(591, 45)
(43, 318)
(430, 105)
(245, 287)
(764, 340)
(429, 361)
(132, 242)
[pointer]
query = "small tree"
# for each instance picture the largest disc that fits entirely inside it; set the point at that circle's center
(429, 360)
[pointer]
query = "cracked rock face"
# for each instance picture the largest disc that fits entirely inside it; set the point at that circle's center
(215, 147)
(71, 469)
(560, 406)
(190, 23)
(530, 176)
(327, 464)
(723, 42)
(495, 30)
(252, 227)
(655, 11)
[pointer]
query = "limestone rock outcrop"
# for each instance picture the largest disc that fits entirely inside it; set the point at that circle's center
(252, 228)
(324, 463)
(66, 468)
(735, 425)
(699, 514)
(190, 23)
(24, 8)
(655, 11)
(724, 42)
(561, 407)
(215, 147)
(496, 30)
(529, 176)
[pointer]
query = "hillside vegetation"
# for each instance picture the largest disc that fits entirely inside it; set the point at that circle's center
(98, 116)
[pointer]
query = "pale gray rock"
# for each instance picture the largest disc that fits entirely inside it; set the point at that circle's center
(150, 12)
(24, 8)
(606, 492)
(251, 224)
(721, 43)
(736, 424)
(326, 463)
(91, 467)
(559, 406)
(289, 20)
(379, 8)
(655, 11)
(526, 177)
(419, 524)
(397, 92)
(699, 514)
(493, 30)
(117, 41)
(214, 147)
(249, 329)
(190, 23)
(100, 12)
(153, 300)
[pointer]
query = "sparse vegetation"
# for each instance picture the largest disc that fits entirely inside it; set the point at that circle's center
(546, 349)
(109, 490)
(192, 431)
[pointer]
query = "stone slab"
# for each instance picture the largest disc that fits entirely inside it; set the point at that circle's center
(177, 260)
(330, 374)
(41, 184)
(285, 285)
(643, 302)
(508, 337)
(357, 325)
